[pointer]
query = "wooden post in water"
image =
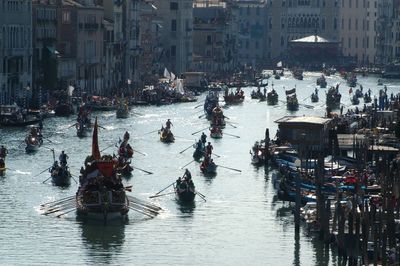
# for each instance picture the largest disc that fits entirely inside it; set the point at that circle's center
(266, 147)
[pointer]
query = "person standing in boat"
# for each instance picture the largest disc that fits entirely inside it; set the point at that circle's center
(203, 138)
(168, 124)
(63, 158)
(209, 149)
(3, 152)
(187, 175)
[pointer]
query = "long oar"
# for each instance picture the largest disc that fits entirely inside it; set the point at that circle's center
(232, 125)
(164, 188)
(150, 132)
(147, 172)
(237, 170)
(109, 146)
(191, 145)
(144, 208)
(46, 179)
(201, 196)
(65, 205)
(58, 216)
(201, 116)
(47, 169)
(194, 133)
(144, 154)
(56, 201)
(160, 195)
(231, 135)
(146, 204)
(216, 155)
(76, 182)
(143, 212)
(187, 164)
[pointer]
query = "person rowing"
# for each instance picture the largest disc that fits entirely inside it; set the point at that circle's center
(209, 149)
(168, 124)
(203, 138)
(4, 151)
(63, 158)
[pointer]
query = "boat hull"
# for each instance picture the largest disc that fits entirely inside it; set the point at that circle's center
(61, 180)
(185, 195)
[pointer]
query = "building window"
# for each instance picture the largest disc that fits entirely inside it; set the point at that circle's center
(173, 24)
(66, 17)
(349, 43)
(173, 50)
(349, 23)
(173, 6)
(208, 39)
(356, 42)
(356, 24)
(335, 23)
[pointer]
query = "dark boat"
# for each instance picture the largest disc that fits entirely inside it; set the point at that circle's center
(333, 98)
(258, 155)
(215, 132)
(208, 167)
(367, 98)
(355, 100)
(60, 176)
(272, 97)
(63, 109)
(292, 103)
(234, 98)
(351, 80)
(358, 93)
(12, 116)
(217, 118)
(166, 135)
(256, 94)
(34, 140)
(185, 190)
(314, 97)
(321, 81)
(298, 74)
(199, 150)
(82, 130)
(210, 103)
(123, 110)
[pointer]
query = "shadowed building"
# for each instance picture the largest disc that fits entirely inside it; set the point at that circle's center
(15, 50)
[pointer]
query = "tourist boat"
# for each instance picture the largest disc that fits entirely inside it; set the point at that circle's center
(234, 98)
(12, 116)
(321, 81)
(355, 100)
(291, 100)
(61, 176)
(166, 135)
(333, 97)
(215, 132)
(101, 193)
(208, 168)
(314, 97)
(199, 150)
(123, 111)
(367, 98)
(63, 109)
(272, 97)
(185, 190)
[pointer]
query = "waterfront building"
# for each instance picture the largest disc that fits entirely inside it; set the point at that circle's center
(290, 20)
(177, 21)
(358, 30)
(214, 39)
(44, 40)
(15, 50)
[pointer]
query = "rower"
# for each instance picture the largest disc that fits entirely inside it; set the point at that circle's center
(209, 149)
(187, 175)
(54, 168)
(63, 158)
(168, 124)
(126, 136)
(203, 138)
(4, 151)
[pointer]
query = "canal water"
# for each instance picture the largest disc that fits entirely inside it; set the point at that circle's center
(240, 223)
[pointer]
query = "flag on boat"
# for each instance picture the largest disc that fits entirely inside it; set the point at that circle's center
(279, 64)
(290, 92)
(167, 74)
(70, 90)
(173, 76)
(95, 142)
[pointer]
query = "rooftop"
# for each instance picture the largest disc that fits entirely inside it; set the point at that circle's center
(304, 119)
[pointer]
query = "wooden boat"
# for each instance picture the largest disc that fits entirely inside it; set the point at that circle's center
(355, 100)
(358, 93)
(215, 132)
(258, 154)
(292, 103)
(367, 98)
(314, 97)
(124, 167)
(123, 111)
(166, 135)
(217, 118)
(210, 103)
(82, 130)
(185, 190)
(234, 98)
(351, 80)
(272, 97)
(13, 116)
(63, 109)
(256, 94)
(298, 74)
(2, 167)
(208, 167)
(199, 150)
(125, 154)
(321, 81)
(333, 98)
(60, 176)
(101, 193)
(33, 142)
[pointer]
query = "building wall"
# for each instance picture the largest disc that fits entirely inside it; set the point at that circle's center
(358, 29)
(15, 50)
(177, 21)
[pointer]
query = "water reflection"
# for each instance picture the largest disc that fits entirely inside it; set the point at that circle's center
(102, 242)
(296, 257)
(186, 207)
